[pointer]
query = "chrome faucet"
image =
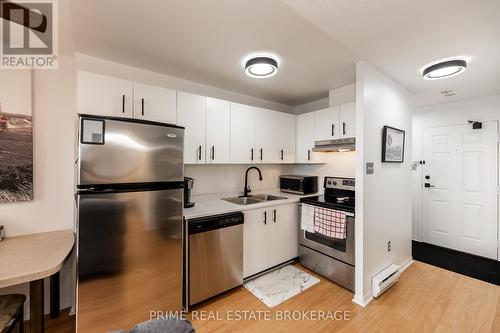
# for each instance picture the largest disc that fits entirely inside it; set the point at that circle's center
(246, 189)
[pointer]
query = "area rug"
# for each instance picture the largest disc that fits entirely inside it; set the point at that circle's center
(281, 284)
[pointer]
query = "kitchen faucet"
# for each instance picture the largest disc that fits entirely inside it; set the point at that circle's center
(246, 189)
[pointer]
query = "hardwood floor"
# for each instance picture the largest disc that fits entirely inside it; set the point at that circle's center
(426, 299)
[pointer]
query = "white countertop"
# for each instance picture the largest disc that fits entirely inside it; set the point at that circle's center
(212, 204)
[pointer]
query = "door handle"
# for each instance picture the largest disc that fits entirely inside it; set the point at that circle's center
(265, 217)
(281, 154)
(428, 185)
(199, 153)
(261, 154)
(333, 129)
(309, 154)
(123, 103)
(142, 106)
(343, 128)
(274, 215)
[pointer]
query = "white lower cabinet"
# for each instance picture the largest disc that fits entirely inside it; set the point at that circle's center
(268, 234)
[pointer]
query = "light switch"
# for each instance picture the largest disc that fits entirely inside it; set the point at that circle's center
(370, 168)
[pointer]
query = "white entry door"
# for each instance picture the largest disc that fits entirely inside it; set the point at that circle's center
(460, 188)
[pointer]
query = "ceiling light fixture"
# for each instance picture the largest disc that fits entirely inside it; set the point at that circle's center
(261, 67)
(444, 69)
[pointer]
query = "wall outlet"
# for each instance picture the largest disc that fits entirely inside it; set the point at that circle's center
(389, 246)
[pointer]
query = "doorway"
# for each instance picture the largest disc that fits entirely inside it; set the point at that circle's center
(460, 188)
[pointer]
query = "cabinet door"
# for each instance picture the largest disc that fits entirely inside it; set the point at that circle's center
(218, 147)
(255, 241)
(286, 137)
(154, 103)
(266, 134)
(304, 138)
(348, 120)
(103, 95)
(191, 112)
(326, 124)
(243, 134)
(282, 219)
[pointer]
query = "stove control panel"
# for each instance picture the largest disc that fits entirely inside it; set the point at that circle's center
(340, 183)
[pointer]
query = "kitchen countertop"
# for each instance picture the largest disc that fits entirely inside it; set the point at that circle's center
(212, 204)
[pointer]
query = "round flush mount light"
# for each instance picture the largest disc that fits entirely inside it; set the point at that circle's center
(444, 69)
(261, 67)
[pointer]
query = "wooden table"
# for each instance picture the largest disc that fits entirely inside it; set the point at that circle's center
(31, 258)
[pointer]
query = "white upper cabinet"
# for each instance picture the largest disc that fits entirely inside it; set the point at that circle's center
(103, 95)
(266, 135)
(326, 124)
(191, 112)
(348, 120)
(218, 131)
(243, 134)
(304, 138)
(286, 137)
(154, 103)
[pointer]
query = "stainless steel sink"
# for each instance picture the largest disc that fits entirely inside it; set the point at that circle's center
(267, 197)
(254, 199)
(242, 201)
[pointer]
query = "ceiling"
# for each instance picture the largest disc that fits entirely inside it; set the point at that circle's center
(205, 41)
(318, 42)
(401, 36)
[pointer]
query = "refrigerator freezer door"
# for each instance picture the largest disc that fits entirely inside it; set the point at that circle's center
(123, 152)
(129, 258)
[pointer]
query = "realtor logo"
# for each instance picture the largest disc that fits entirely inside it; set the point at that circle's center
(29, 34)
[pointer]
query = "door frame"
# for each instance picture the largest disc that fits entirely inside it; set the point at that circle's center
(421, 175)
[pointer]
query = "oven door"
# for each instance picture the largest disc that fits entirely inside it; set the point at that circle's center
(341, 249)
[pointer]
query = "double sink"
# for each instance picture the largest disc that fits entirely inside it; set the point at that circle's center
(253, 199)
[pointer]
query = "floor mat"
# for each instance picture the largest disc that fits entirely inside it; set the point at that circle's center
(279, 285)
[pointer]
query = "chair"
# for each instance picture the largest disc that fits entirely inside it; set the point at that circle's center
(12, 313)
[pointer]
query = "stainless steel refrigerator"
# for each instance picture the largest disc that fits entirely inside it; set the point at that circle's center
(129, 199)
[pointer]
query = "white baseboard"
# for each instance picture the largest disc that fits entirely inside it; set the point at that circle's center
(368, 297)
(364, 300)
(406, 264)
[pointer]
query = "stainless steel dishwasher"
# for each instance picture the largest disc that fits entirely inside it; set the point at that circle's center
(214, 255)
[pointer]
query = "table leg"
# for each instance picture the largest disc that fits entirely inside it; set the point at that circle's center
(54, 296)
(36, 306)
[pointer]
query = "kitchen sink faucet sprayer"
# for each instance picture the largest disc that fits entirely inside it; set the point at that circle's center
(246, 189)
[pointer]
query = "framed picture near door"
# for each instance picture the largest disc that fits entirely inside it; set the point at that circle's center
(393, 145)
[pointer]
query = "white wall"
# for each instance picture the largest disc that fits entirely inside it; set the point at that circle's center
(53, 109)
(383, 199)
(459, 112)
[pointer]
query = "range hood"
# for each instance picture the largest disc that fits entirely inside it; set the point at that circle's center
(336, 145)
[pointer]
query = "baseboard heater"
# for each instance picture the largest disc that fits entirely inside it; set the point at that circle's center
(383, 280)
